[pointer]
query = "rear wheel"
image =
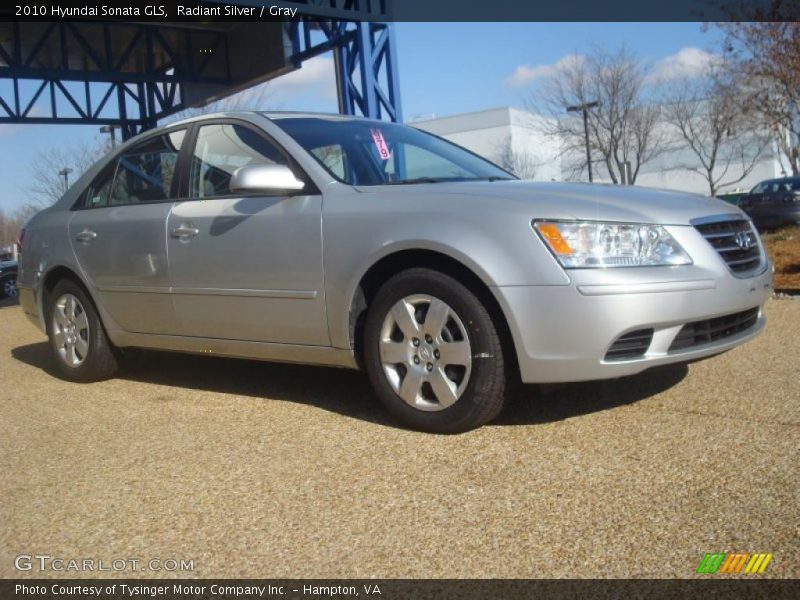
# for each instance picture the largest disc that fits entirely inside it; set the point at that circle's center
(8, 286)
(433, 354)
(77, 338)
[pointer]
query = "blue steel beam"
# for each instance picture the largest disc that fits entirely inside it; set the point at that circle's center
(37, 72)
(38, 77)
(365, 60)
(149, 101)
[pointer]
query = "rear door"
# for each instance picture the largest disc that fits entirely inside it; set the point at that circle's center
(245, 267)
(118, 233)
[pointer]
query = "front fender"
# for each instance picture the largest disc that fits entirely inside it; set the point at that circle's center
(500, 249)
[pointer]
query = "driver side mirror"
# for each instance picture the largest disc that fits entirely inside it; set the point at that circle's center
(264, 178)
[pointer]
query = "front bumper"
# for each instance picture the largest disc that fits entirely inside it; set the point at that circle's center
(776, 216)
(563, 332)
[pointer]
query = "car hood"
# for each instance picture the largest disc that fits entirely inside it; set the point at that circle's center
(576, 200)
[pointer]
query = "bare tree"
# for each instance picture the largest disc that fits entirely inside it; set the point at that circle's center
(10, 224)
(713, 123)
(521, 163)
(762, 48)
(8, 229)
(622, 129)
(47, 184)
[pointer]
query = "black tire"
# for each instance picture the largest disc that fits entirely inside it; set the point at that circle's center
(4, 281)
(99, 361)
(483, 397)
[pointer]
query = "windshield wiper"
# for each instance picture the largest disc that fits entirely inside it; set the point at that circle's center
(444, 179)
(421, 180)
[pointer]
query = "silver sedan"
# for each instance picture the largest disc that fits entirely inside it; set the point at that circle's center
(363, 244)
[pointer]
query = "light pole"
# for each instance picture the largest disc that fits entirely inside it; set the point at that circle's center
(584, 108)
(109, 129)
(65, 174)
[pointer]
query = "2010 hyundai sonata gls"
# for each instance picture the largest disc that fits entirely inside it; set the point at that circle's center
(340, 241)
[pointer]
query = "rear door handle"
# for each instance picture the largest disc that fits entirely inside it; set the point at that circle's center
(86, 236)
(185, 231)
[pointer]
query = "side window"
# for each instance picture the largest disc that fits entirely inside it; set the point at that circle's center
(145, 172)
(99, 190)
(333, 158)
(220, 150)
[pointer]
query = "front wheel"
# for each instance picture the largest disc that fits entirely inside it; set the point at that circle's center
(77, 338)
(433, 354)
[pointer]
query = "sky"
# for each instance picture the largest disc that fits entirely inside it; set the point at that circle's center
(444, 68)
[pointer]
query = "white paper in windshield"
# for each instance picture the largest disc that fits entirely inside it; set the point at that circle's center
(380, 144)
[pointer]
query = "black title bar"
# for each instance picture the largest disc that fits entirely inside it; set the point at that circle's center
(390, 589)
(209, 11)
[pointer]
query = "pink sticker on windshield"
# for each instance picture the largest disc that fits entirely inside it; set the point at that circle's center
(380, 144)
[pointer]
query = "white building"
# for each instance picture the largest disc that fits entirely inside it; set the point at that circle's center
(509, 137)
(504, 136)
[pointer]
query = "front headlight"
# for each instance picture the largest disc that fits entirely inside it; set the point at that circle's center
(586, 244)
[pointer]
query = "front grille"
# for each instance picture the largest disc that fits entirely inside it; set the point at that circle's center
(736, 242)
(631, 345)
(712, 330)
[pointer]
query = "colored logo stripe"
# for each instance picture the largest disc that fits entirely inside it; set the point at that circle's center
(733, 563)
(758, 563)
(711, 563)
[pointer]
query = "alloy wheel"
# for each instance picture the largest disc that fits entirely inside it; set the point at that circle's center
(425, 352)
(70, 330)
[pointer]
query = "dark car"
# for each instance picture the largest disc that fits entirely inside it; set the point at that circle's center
(774, 203)
(8, 279)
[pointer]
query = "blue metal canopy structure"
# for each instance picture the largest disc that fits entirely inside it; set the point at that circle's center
(132, 75)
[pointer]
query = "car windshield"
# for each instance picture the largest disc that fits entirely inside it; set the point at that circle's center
(361, 152)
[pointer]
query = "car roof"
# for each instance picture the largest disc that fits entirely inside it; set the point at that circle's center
(290, 114)
(272, 115)
(790, 179)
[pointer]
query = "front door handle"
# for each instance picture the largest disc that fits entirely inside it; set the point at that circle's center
(86, 236)
(185, 231)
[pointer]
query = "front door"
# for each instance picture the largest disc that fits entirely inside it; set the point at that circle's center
(119, 234)
(245, 267)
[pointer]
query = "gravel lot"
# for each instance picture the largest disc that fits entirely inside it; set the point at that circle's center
(267, 470)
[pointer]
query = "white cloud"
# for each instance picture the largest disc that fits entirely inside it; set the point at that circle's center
(525, 74)
(317, 75)
(9, 129)
(687, 63)
(314, 83)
